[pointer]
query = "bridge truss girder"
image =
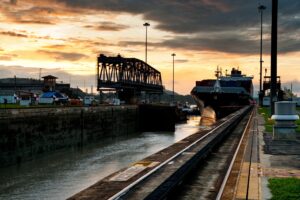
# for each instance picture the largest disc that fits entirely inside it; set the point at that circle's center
(127, 74)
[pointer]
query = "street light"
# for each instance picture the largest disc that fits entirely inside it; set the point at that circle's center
(146, 25)
(261, 8)
(173, 55)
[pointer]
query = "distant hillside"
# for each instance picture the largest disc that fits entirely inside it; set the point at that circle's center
(167, 96)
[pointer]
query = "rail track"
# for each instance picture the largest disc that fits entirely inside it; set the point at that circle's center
(200, 170)
(209, 179)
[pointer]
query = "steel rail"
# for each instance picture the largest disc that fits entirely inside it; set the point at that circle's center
(221, 190)
(250, 162)
(126, 189)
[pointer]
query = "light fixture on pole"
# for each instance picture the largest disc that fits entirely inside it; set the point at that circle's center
(173, 55)
(261, 8)
(146, 25)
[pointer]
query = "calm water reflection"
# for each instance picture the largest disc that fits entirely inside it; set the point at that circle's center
(64, 173)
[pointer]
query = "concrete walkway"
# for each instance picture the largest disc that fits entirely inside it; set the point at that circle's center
(249, 180)
(266, 159)
(278, 158)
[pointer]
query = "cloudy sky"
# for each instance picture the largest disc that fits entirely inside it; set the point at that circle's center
(64, 37)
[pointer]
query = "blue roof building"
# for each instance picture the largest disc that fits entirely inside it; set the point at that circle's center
(51, 95)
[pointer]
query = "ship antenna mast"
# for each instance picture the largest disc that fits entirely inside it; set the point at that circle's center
(218, 72)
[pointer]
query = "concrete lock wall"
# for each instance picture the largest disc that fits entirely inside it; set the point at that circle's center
(157, 118)
(25, 133)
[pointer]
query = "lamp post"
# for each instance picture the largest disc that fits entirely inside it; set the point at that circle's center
(173, 55)
(261, 8)
(146, 25)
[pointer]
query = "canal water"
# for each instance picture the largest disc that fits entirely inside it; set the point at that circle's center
(64, 173)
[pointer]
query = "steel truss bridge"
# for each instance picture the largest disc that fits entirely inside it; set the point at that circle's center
(128, 76)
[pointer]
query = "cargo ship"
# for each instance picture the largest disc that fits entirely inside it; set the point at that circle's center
(225, 94)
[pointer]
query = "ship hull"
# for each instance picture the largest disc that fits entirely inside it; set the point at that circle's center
(222, 104)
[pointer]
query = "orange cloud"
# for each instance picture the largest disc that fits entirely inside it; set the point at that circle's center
(58, 55)
(13, 34)
(46, 12)
(107, 26)
(217, 4)
(7, 57)
(32, 15)
(55, 46)
(23, 34)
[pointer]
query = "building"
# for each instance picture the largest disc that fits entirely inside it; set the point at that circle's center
(32, 85)
(8, 96)
(27, 89)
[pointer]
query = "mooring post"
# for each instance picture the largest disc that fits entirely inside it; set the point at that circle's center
(285, 117)
(81, 127)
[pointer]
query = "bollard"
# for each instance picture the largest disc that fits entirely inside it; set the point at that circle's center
(285, 117)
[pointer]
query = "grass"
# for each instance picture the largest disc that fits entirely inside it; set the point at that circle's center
(284, 188)
(298, 124)
(17, 106)
(2, 106)
(266, 113)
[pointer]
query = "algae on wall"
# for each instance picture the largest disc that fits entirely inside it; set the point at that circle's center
(29, 132)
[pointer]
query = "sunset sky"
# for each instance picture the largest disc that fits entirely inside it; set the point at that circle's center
(64, 38)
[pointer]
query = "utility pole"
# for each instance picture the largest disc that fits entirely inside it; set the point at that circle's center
(15, 82)
(146, 25)
(273, 97)
(85, 89)
(261, 8)
(173, 55)
(292, 89)
(40, 74)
